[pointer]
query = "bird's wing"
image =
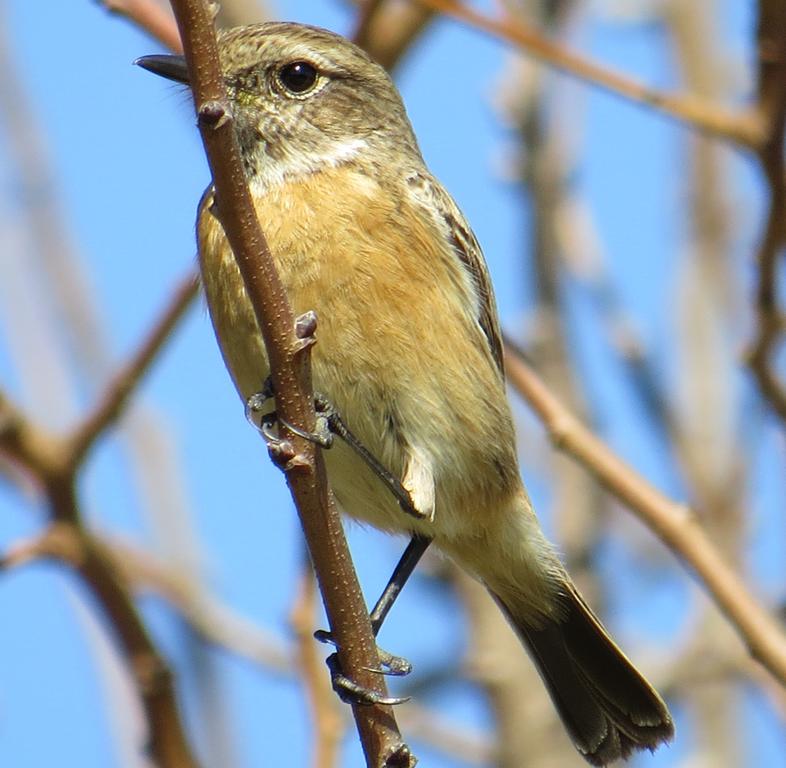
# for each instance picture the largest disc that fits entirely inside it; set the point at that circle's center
(430, 194)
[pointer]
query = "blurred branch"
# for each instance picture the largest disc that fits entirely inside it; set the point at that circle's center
(528, 93)
(223, 628)
(366, 12)
(68, 540)
(772, 112)
(386, 29)
(206, 615)
(675, 524)
(150, 16)
(329, 725)
(289, 356)
(741, 128)
(119, 390)
(53, 462)
(586, 263)
(458, 741)
(236, 13)
(511, 685)
(706, 435)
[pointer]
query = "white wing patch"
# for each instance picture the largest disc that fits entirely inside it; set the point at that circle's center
(419, 481)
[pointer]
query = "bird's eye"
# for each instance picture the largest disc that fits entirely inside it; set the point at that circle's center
(298, 77)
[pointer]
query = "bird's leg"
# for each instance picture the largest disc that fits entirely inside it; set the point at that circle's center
(401, 573)
(338, 427)
(329, 423)
(347, 689)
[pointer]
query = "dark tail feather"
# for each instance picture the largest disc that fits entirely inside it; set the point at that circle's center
(606, 705)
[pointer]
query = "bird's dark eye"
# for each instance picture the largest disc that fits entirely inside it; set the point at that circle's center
(298, 77)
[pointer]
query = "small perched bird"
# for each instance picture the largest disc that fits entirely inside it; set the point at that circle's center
(409, 348)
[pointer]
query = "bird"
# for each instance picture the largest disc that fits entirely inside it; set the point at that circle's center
(409, 349)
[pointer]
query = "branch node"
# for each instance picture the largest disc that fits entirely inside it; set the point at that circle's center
(214, 114)
(305, 332)
(213, 8)
(401, 757)
(151, 674)
(299, 462)
(306, 324)
(60, 541)
(281, 452)
(560, 429)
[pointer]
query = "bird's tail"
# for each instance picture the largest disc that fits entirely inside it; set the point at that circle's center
(606, 705)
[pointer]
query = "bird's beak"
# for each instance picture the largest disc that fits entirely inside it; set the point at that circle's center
(168, 66)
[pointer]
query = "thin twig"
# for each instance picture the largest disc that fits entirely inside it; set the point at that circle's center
(220, 626)
(772, 108)
(329, 725)
(394, 29)
(117, 394)
(675, 524)
(741, 128)
(150, 16)
(67, 540)
(53, 462)
(367, 11)
(216, 623)
(291, 374)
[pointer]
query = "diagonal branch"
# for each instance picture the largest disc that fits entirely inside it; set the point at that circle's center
(675, 524)
(386, 30)
(54, 462)
(150, 16)
(117, 394)
(743, 129)
(288, 353)
(67, 540)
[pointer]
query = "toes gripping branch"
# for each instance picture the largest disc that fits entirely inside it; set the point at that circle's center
(329, 424)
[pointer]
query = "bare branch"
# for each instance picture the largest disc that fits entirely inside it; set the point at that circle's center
(743, 129)
(675, 524)
(392, 30)
(213, 621)
(150, 16)
(329, 725)
(53, 461)
(68, 541)
(117, 394)
(291, 373)
(772, 108)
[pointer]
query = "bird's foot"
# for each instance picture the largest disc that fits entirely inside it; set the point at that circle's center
(353, 693)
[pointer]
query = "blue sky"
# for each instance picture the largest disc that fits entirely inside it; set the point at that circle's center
(128, 168)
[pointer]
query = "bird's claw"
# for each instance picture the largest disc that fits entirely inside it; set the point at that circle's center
(351, 692)
(266, 422)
